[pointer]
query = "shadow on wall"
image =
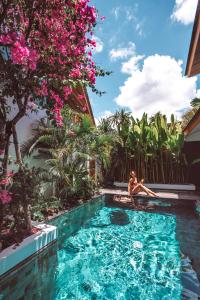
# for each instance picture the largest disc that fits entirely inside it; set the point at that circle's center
(34, 280)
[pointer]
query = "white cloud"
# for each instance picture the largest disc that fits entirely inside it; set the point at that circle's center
(116, 11)
(132, 64)
(130, 15)
(138, 29)
(124, 11)
(105, 114)
(99, 45)
(158, 85)
(184, 11)
(198, 94)
(122, 53)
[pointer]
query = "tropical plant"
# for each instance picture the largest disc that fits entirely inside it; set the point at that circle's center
(151, 146)
(195, 102)
(25, 191)
(68, 151)
(189, 114)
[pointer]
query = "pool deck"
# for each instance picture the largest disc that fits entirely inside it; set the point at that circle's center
(164, 195)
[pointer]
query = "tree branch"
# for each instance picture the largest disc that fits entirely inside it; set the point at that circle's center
(21, 112)
(5, 8)
(17, 147)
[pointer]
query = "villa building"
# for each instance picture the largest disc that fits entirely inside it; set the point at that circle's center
(192, 130)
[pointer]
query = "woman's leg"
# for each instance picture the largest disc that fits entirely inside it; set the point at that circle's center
(154, 194)
(140, 187)
(143, 188)
(136, 190)
(148, 191)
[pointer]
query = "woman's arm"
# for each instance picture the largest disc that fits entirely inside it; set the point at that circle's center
(130, 186)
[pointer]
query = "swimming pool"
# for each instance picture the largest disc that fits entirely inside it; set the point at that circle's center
(122, 254)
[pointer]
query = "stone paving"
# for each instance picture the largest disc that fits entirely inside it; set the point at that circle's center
(179, 195)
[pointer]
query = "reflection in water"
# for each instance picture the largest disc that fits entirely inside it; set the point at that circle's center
(34, 280)
(188, 234)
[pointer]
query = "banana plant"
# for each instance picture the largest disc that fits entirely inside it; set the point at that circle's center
(151, 146)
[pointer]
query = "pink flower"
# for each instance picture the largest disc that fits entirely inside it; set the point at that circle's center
(75, 73)
(58, 117)
(5, 197)
(81, 97)
(32, 59)
(92, 42)
(4, 181)
(43, 89)
(103, 18)
(5, 39)
(19, 53)
(67, 91)
(54, 54)
(84, 108)
(57, 99)
(22, 55)
(63, 50)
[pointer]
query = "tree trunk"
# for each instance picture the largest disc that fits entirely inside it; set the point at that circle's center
(8, 133)
(2, 133)
(27, 216)
(17, 148)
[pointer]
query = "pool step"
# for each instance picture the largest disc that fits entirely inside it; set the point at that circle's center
(188, 196)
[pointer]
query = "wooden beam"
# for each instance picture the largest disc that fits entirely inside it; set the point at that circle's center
(193, 123)
(81, 105)
(193, 56)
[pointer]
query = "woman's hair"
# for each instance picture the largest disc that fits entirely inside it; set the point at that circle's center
(131, 172)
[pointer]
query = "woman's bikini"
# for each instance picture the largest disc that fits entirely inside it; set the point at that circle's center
(133, 184)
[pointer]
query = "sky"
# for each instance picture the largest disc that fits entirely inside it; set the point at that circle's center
(145, 44)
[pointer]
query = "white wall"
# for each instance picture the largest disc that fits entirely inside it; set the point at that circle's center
(24, 131)
(194, 135)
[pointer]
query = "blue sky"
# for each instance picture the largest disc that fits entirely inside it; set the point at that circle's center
(145, 44)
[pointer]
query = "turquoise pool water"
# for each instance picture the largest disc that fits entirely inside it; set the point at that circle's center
(121, 255)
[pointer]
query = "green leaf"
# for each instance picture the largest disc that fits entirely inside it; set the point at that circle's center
(163, 123)
(172, 119)
(155, 133)
(137, 129)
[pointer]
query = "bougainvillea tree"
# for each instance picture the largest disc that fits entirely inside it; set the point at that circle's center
(45, 52)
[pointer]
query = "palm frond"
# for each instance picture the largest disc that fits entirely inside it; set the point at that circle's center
(28, 146)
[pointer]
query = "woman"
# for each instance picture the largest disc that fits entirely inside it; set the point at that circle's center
(134, 187)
